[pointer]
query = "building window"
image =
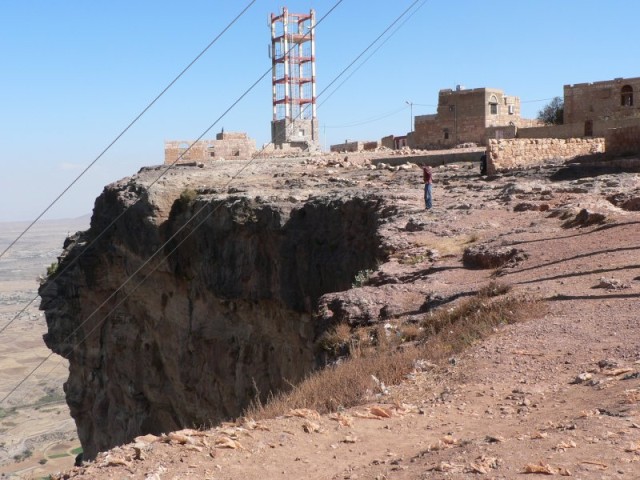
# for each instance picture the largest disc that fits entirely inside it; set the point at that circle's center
(493, 105)
(626, 97)
(446, 134)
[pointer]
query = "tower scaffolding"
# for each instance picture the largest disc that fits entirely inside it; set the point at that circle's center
(293, 48)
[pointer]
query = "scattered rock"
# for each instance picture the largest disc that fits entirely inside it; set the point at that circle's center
(585, 218)
(626, 201)
(485, 256)
(525, 206)
(581, 378)
(611, 284)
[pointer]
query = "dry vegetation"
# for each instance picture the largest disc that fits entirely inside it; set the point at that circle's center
(390, 355)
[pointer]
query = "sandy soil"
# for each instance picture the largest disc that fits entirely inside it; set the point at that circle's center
(557, 395)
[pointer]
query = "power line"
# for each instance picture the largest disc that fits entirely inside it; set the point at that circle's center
(370, 120)
(229, 25)
(4, 327)
(162, 174)
(146, 262)
(538, 100)
(367, 48)
(375, 119)
(379, 46)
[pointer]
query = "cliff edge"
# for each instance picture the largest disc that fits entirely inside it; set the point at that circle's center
(186, 299)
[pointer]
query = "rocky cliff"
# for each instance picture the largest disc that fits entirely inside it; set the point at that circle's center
(222, 312)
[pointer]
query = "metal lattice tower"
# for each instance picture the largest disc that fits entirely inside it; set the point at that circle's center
(294, 80)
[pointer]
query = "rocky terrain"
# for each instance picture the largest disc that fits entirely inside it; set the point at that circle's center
(263, 263)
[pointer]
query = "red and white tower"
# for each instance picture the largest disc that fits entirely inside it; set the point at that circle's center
(293, 56)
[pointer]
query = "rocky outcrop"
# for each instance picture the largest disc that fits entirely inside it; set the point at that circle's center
(221, 313)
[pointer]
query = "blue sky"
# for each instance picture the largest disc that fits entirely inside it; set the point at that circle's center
(76, 72)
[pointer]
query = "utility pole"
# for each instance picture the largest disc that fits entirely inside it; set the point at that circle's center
(411, 115)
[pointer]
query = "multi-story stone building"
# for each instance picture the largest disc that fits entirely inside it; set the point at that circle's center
(592, 109)
(601, 102)
(468, 116)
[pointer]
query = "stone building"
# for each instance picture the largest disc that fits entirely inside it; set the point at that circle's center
(468, 116)
(591, 109)
(227, 145)
(606, 100)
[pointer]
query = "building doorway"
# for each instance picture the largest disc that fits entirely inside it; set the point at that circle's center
(588, 128)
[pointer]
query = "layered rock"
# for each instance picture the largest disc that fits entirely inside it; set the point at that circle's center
(220, 314)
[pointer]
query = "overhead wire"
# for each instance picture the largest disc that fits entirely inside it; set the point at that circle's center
(375, 119)
(162, 174)
(379, 46)
(19, 314)
(179, 230)
(368, 47)
(144, 264)
(370, 120)
(108, 147)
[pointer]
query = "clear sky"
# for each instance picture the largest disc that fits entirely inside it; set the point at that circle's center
(74, 73)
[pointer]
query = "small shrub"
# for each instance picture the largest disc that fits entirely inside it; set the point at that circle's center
(494, 288)
(473, 238)
(51, 270)
(187, 196)
(413, 259)
(410, 332)
(361, 278)
(337, 339)
(23, 456)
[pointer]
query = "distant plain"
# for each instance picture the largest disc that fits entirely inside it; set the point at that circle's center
(37, 434)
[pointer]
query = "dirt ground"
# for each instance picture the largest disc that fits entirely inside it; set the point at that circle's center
(556, 395)
(37, 435)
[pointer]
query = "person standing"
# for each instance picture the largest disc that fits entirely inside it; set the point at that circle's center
(427, 177)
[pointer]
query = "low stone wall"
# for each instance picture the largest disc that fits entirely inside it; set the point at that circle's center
(623, 141)
(434, 157)
(355, 146)
(521, 152)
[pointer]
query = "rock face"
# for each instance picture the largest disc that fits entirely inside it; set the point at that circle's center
(222, 313)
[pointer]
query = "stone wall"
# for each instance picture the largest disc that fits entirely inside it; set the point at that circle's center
(357, 146)
(500, 133)
(596, 128)
(388, 142)
(623, 141)
(231, 145)
(507, 154)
